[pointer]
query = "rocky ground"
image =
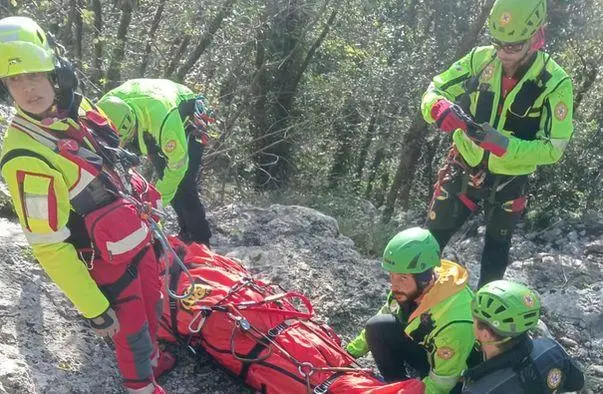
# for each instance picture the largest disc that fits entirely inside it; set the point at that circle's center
(46, 348)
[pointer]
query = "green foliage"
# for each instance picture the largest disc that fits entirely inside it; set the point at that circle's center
(338, 121)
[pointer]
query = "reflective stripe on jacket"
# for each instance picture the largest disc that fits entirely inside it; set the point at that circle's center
(42, 184)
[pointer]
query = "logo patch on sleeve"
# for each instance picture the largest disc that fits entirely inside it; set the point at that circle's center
(554, 378)
(561, 111)
(170, 146)
(445, 353)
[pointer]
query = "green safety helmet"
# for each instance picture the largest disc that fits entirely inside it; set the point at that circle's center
(508, 308)
(411, 251)
(513, 21)
(121, 114)
(24, 47)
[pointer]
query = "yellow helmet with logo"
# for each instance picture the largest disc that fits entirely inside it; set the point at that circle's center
(24, 47)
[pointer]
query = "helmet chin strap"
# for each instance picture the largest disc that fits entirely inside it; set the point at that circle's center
(540, 40)
(499, 342)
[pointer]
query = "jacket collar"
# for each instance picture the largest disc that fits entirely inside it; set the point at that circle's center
(451, 279)
(512, 357)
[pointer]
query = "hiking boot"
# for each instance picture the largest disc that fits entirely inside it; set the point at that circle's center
(165, 363)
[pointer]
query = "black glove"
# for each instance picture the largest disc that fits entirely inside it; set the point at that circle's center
(488, 138)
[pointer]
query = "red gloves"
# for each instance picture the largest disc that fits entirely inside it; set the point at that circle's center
(447, 117)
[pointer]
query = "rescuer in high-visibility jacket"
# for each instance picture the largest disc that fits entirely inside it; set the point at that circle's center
(523, 101)
(61, 162)
(167, 122)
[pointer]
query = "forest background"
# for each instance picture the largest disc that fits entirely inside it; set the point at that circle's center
(318, 101)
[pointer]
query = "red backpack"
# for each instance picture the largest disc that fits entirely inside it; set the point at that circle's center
(262, 334)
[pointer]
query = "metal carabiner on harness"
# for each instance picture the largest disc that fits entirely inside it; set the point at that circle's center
(306, 376)
(201, 316)
(89, 264)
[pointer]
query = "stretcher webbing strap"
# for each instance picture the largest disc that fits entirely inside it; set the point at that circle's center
(324, 386)
(263, 343)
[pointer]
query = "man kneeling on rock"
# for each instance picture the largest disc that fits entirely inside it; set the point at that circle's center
(426, 321)
(513, 363)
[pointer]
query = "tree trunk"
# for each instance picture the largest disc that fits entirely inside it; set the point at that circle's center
(78, 32)
(366, 145)
(274, 166)
(345, 132)
(150, 37)
(315, 47)
(373, 171)
(205, 40)
(66, 37)
(114, 72)
(97, 60)
(175, 56)
(415, 136)
(411, 149)
(259, 122)
(382, 189)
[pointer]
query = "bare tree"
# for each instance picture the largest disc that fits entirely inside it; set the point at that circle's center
(174, 59)
(97, 59)
(150, 37)
(205, 40)
(415, 136)
(117, 56)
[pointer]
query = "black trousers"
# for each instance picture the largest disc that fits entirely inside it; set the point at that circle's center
(391, 348)
(503, 198)
(187, 204)
(189, 209)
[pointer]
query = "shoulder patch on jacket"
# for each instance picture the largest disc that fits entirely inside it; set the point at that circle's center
(488, 73)
(170, 146)
(561, 111)
(554, 378)
(445, 353)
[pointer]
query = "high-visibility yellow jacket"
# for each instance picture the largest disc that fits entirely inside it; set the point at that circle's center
(42, 184)
(156, 104)
(449, 339)
(536, 114)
